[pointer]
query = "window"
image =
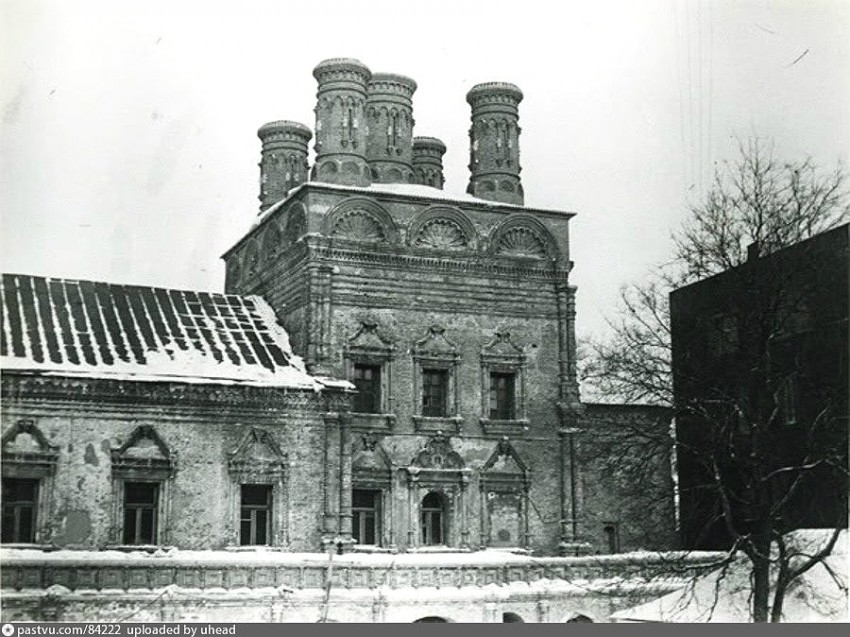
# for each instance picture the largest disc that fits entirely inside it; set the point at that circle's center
(28, 464)
(502, 392)
(141, 472)
(788, 400)
(255, 517)
(435, 389)
(722, 334)
(365, 511)
(612, 538)
(503, 409)
(367, 380)
(432, 520)
(140, 512)
(20, 498)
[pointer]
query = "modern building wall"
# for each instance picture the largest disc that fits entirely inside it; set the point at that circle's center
(770, 336)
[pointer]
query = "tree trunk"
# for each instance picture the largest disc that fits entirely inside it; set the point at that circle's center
(761, 589)
(761, 577)
(778, 601)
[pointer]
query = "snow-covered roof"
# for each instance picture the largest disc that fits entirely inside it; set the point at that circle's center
(418, 191)
(104, 330)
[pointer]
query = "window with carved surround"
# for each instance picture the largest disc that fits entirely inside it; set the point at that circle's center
(29, 464)
(503, 365)
(371, 497)
(435, 395)
(142, 471)
(257, 469)
(368, 357)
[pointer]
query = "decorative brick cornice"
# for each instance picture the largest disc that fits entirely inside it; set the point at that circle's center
(19, 386)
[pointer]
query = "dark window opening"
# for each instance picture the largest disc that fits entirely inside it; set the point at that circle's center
(19, 509)
(612, 538)
(435, 389)
(788, 400)
(366, 519)
(255, 516)
(433, 520)
(367, 380)
(511, 618)
(502, 387)
(140, 512)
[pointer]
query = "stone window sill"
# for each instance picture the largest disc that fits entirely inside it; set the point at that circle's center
(372, 548)
(373, 422)
(147, 548)
(446, 424)
(505, 427)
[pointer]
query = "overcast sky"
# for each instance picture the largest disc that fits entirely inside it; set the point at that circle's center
(129, 148)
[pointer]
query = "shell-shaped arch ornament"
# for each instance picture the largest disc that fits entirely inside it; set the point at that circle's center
(272, 241)
(442, 228)
(361, 219)
(524, 237)
(359, 225)
(441, 234)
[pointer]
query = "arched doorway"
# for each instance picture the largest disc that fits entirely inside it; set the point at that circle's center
(576, 618)
(431, 619)
(512, 618)
(433, 519)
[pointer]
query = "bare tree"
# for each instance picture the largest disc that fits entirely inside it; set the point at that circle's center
(746, 469)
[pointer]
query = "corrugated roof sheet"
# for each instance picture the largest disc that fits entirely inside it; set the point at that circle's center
(88, 328)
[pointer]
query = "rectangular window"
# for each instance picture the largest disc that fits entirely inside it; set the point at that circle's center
(255, 517)
(365, 511)
(502, 386)
(19, 508)
(788, 397)
(367, 380)
(435, 390)
(140, 512)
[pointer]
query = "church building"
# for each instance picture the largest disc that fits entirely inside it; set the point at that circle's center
(390, 369)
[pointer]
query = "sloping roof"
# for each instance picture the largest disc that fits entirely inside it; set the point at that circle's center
(105, 330)
(724, 595)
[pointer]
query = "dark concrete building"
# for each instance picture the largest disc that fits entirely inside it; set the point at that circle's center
(760, 363)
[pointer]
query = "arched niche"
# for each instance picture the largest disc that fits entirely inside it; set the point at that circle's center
(523, 236)
(442, 228)
(360, 219)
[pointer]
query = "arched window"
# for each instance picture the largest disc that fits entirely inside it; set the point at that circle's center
(431, 619)
(511, 618)
(433, 520)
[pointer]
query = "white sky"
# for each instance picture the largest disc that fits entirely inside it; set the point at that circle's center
(128, 136)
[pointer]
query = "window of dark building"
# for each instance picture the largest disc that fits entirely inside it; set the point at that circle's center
(435, 390)
(722, 334)
(502, 392)
(433, 520)
(788, 400)
(367, 379)
(140, 512)
(20, 496)
(255, 516)
(366, 518)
